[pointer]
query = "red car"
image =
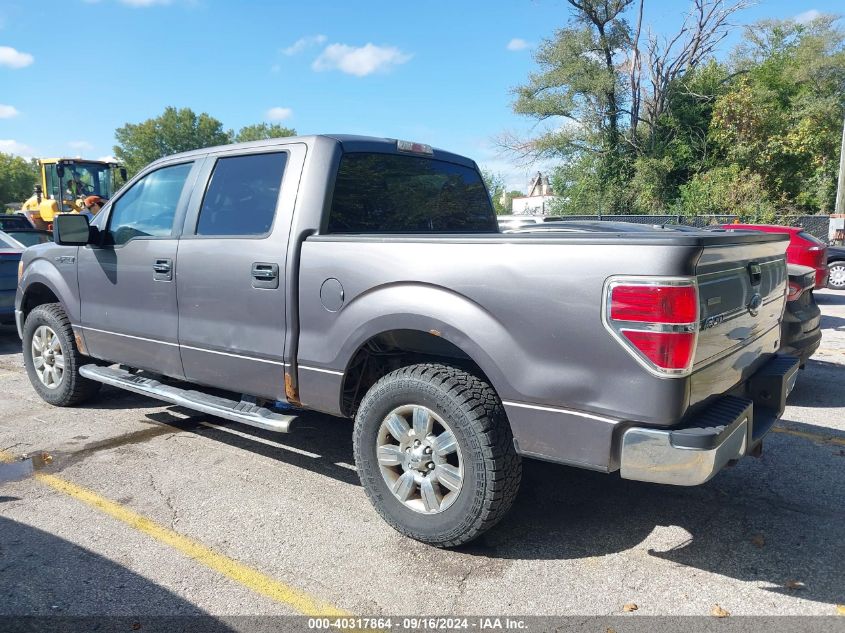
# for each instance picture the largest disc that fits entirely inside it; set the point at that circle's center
(804, 249)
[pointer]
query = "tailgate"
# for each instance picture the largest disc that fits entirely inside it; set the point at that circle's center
(742, 293)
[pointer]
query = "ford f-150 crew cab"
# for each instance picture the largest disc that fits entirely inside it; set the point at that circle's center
(367, 278)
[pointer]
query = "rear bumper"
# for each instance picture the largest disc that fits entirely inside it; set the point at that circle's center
(725, 431)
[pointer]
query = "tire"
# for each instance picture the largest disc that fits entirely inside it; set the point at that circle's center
(68, 388)
(483, 454)
(836, 275)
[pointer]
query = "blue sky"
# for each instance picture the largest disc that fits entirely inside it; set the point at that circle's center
(71, 71)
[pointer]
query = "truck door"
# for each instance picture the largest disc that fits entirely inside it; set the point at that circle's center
(127, 283)
(231, 281)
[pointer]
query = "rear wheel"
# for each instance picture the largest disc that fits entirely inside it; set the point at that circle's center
(435, 454)
(52, 359)
(836, 276)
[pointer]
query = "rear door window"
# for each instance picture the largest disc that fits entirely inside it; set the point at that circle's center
(242, 195)
(390, 193)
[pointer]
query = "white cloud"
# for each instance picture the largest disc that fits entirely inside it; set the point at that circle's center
(807, 16)
(360, 61)
(302, 43)
(108, 159)
(278, 114)
(14, 58)
(7, 111)
(80, 145)
(517, 44)
(8, 146)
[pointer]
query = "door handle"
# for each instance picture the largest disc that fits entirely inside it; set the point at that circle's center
(265, 275)
(163, 270)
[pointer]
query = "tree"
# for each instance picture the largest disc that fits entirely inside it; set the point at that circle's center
(171, 132)
(782, 119)
(260, 132)
(605, 97)
(18, 177)
(495, 183)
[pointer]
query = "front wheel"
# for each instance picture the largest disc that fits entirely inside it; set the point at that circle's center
(52, 359)
(435, 454)
(836, 276)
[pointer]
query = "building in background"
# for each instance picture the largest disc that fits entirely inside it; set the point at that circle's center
(539, 198)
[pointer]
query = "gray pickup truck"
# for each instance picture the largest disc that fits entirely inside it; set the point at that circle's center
(367, 278)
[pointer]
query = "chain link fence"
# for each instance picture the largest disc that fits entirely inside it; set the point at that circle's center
(816, 225)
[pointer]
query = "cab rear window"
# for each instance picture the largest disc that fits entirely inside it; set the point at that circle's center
(389, 193)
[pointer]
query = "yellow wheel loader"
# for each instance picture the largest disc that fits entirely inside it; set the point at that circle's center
(64, 185)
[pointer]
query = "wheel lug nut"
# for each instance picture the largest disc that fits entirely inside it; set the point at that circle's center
(427, 450)
(416, 442)
(431, 465)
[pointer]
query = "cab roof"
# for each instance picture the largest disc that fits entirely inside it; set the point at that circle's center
(348, 142)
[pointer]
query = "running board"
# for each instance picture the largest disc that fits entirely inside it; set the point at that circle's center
(238, 411)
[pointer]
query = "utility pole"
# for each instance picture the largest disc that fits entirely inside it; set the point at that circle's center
(840, 189)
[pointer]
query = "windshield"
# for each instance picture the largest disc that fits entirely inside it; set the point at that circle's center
(30, 238)
(81, 179)
(7, 242)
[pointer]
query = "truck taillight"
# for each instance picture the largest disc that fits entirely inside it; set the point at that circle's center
(656, 320)
(793, 291)
(654, 304)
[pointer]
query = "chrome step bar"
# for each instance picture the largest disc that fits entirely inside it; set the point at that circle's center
(238, 411)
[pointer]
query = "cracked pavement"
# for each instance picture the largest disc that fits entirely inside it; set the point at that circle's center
(576, 542)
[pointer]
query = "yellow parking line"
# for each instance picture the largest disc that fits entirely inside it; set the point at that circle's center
(816, 437)
(232, 569)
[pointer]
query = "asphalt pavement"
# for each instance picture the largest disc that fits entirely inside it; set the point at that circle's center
(155, 510)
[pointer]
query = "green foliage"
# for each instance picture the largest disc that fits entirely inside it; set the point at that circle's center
(727, 191)
(261, 132)
(495, 183)
(583, 187)
(756, 135)
(580, 85)
(173, 131)
(138, 144)
(18, 177)
(782, 120)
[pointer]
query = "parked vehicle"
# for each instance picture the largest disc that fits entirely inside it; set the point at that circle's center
(516, 221)
(30, 237)
(64, 183)
(836, 267)
(367, 278)
(801, 332)
(10, 222)
(804, 249)
(10, 257)
(589, 226)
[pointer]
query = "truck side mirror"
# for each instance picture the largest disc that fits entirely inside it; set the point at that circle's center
(71, 229)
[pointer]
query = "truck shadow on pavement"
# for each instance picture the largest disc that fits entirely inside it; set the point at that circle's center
(830, 298)
(824, 388)
(45, 576)
(777, 522)
(9, 341)
(774, 521)
(319, 443)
